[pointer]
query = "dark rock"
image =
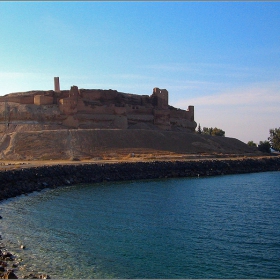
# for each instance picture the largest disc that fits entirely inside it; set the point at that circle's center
(3, 264)
(9, 275)
(75, 159)
(30, 276)
(7, 256)
(44, 276)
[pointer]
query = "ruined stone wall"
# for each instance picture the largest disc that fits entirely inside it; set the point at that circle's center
(90, 94)
(98, 109)
(133, 99)
(68, 106)
(61, 94)
(138, 110)
(162, 118)
(183, 119)
(135, 119)
(160, 98)
(182, 114)
(101, 121)
(18, 99)
(43, 100)
(190, 113)
(102, 95)
(178, 114)
(26, 100)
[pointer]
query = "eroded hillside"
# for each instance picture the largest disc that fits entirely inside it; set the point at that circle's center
(117, 143)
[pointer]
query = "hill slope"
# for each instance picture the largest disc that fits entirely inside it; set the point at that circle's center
(117, 143)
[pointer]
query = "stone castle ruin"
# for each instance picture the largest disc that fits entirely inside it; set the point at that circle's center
(91, 109)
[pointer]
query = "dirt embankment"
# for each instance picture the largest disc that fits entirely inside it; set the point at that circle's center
(85, 144)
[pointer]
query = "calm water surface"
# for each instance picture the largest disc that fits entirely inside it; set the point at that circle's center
(217, 227)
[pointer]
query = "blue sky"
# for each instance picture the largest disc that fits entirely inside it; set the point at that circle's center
(221, 57)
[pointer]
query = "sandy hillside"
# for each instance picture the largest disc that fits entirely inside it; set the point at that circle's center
(94, 143)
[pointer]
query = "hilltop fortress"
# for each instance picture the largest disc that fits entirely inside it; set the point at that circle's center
(90, 124)
(91, 109)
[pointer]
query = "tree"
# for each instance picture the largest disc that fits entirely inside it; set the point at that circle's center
(252, 144)
(213, 131)
(274, 139)
(205, 130)
(264, 146)
(218, 132)
(199, 131)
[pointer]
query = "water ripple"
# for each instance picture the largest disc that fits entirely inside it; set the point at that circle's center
(218, 227)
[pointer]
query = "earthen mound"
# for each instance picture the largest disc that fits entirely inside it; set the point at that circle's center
(113, 143)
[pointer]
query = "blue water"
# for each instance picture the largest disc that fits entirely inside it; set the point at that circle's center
(216, 227)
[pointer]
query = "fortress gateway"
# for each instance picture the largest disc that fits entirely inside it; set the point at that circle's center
(91, 109)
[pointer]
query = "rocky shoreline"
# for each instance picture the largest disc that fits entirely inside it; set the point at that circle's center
(26, 180)
(11, 265)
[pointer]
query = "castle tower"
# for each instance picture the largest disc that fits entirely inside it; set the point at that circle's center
(164, 99)
(56, 84)
(161, 98)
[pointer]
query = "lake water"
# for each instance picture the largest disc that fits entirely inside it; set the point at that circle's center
(216, 227)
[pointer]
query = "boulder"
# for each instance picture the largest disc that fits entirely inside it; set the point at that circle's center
(9, 275)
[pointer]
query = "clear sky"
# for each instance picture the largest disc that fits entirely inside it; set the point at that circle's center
(221, 57)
